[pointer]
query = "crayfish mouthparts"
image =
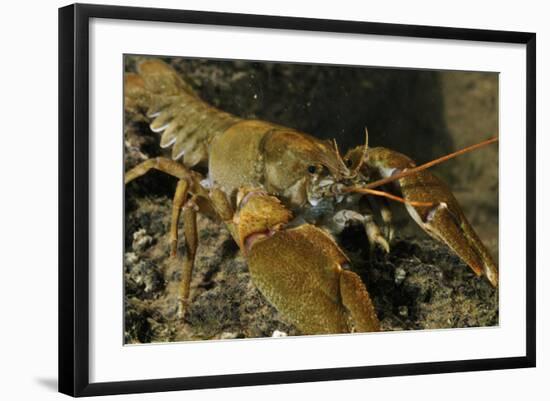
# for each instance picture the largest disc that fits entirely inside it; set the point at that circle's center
(326, 188)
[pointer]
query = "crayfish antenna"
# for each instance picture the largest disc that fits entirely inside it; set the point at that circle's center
(368, 191)
(363, 157)
(432, 163)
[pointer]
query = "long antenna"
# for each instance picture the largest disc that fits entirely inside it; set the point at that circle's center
(424, 166)
(369, 191)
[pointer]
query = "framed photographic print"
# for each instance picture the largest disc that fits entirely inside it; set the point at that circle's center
(278, 199)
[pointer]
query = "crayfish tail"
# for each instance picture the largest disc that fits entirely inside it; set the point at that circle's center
(186, 123)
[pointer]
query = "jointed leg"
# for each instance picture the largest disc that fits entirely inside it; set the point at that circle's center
(375, 237)
(374, 234)
(188, 181)
(171, 167)
(191, 240)
(179, 200)
(385, 212)
(225, 211)
(221, 204)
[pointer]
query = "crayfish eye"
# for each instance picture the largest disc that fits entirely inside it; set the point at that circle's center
(311, 169)
(349, 163)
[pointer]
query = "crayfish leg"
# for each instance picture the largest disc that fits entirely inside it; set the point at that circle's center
(342, 218)
(191, 243)
(180, 197)
(387, 217)
(188, 183)
(163, 164)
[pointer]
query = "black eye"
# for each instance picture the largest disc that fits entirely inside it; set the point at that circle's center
(311, 169)
(349, 163)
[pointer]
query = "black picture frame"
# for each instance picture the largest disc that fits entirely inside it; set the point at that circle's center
(74, 198)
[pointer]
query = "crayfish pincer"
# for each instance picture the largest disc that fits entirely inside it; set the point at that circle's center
(285, 197)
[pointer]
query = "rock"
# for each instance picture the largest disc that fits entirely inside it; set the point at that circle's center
(400, 275)
(141, 240)
(403, 311)
(130, 258)
(228, 336)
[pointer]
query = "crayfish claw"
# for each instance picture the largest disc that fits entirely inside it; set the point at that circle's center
(446, 222)
(357, 301)
(454, 230)
(301, 270)
(435, 209)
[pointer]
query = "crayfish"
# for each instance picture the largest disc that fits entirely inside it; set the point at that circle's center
(285, 196)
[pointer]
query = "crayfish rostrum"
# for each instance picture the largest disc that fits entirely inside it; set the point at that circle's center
(285, 197)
